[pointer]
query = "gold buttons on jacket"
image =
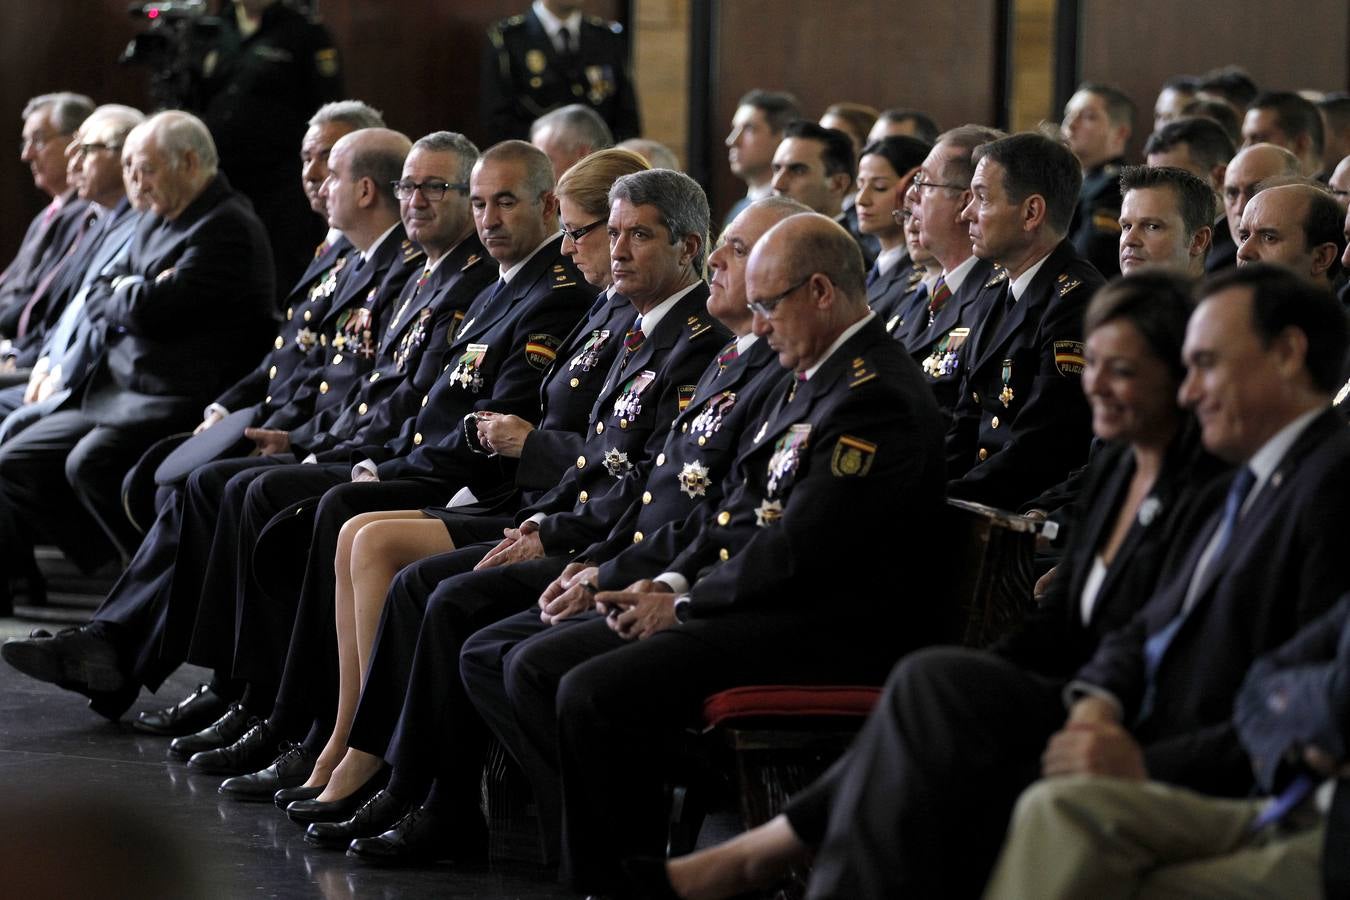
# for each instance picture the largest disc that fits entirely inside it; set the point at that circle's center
(272, 373)
(281, 342)
(646, 497)
(994, 423)
(337, 359)
(975, 395)
(581, 462)
(702, 439)
(361, 410)
(660, 459)
(575, 382)
(724, 554)
(323, 387)
(425, 398)
(724, 518)
(583, 496)
(983, 454)
(417, 439)
(374, 376)
(599, 427)
(308, 315)
(637, 537)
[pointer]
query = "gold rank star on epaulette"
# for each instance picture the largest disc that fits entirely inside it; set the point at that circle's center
(697, 326)
(1067, 284)
(410, 251)
(859, 373)
(1000, 275)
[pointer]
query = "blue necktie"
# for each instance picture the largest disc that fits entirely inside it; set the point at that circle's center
(1156, 645)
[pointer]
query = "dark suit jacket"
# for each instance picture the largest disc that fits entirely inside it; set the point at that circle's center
(413, 353)
(964, 309)
(198, 315)
(495, 362)
(1005, 454)
(44, 244)
(1284, 565)
(1222, 248)
(304, 306)
(848, 469)
(887, 294)
(1053, 641)
(568, 395)
(593, 492)
(1095, 229)
(523, 76)
(690, 471)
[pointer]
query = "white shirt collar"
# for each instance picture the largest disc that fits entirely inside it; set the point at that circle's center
(1019, 287)
(1265, 461)
(957, 276)
(746, 341)
(552, 24)
(887, 260)
(652, 317)
(508, 274)
(436, 264)
(839, 341)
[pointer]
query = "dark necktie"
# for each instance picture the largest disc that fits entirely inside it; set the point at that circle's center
(873, 274)
(1156, 645)
(565, 41)
(45, 284)
(727, 357)
(631, 342)
(939, 299)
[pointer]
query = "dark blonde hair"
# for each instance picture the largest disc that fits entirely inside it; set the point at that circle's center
(587, 182)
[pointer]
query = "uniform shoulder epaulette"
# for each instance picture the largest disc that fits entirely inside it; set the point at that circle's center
(511, 22)
(562, 278)
(697, 326)
(604, 23)
(859, 372)
(473, 260)
(915, 277)
(411, 251)
(1067, 284)
(1000, 275)
(1106, 220)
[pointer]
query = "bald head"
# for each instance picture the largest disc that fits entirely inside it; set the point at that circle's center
(377, 154)
(1293, 225)
(1247, 170)
(805, 283)
(1339, 182)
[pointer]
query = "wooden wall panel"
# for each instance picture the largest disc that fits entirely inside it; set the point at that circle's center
(1305, 45)
(938, 57)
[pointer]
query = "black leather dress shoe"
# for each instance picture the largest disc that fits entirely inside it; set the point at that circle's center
(77, 659)
(648, 879)
(288, 770)
(302, 812)
(193, 713)
(376, 816)
(423, 836)
(220, 733)
(286, 796)
(248, 754)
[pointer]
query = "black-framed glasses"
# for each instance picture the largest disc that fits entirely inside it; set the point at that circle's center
(96, 147)
(920, 183)
(767, 306)
(432, 190)
(577, 234)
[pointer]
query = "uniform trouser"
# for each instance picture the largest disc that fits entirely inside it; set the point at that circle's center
(61, 481)
(614, 710)
(308, 693)
(1109, 838)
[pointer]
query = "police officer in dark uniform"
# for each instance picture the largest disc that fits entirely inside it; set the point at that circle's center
(1097, 124)
(549, 57)
(1021, 422)
(268, 69)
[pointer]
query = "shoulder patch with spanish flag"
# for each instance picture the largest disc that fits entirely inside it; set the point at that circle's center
(685, 393)
(541, 350)
(852, 457)
(1069, 357)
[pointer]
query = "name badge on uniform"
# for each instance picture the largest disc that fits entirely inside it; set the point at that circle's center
(466, 372)
(787, 456)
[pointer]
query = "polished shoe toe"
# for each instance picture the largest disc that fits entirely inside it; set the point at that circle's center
(193, 713)
(248, 754)
(303, 812)
(286, 796)
(229, 728)
(77, 659)
(377, 815)
(423, 836)
(288, 770)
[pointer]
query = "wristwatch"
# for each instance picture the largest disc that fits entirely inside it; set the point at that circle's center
(682, 608)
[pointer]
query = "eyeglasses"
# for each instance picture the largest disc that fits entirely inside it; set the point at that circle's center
(767, 306)
(94, 147)
(920, 183)
(431, 190)
(577, 234)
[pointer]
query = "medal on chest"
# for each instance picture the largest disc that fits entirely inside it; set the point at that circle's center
(1005, 396)
(628, 405)
(590, 351)
(466, 372)
(709, 419)
(616, 462)
(414, 339)
(694, 479)
(787, 456)
(768, 512)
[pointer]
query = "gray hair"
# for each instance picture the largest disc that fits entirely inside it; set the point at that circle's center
(178, 133)
(657, 154)
(68, 109)
(353, 113)
(464, 150)
(121, 118)
(681, 201)
(578, 125)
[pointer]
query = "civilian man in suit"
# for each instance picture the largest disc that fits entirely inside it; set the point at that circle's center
(1251, 166)
(551, 56)
(1264, 350)
(1199, 146)
(1098, 120)
(938, 331)
(1164, 219)
(201, 258)
(815, 166)
(1123, 837)
(1021, 422)
(850, 436)
(49, 121)
(1293, 225)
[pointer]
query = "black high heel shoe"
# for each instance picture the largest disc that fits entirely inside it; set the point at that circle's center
(303, 812)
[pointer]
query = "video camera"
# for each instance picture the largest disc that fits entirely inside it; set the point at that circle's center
(180, 36)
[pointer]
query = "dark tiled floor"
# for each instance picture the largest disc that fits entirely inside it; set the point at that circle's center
(53, 750)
